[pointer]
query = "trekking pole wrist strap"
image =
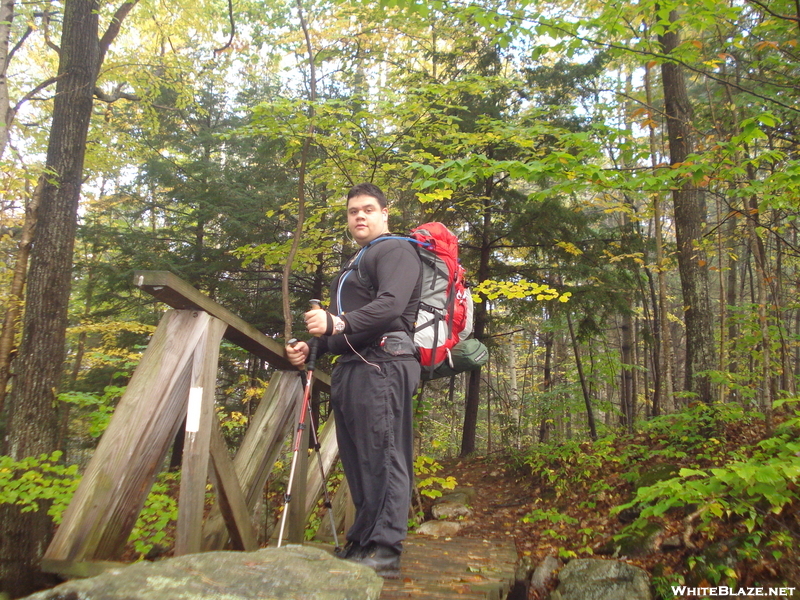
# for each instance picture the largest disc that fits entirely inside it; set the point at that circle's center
(335, 324)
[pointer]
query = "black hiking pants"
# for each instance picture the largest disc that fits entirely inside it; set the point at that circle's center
(374, 429)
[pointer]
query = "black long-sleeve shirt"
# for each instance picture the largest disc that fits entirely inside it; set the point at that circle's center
(378, 296)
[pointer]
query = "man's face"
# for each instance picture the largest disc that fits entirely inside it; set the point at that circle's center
(366, 220)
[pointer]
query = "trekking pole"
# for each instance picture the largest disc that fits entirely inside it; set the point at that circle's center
(306, 409)
(317, 446)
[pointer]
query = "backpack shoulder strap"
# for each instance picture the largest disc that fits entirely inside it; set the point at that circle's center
(355, 266)
(355, 263)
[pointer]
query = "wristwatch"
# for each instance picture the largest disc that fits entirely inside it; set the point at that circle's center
(338, 325)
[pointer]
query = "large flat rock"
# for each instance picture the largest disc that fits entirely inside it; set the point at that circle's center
(286, 573)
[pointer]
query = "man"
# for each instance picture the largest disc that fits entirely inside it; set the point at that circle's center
(373, 307)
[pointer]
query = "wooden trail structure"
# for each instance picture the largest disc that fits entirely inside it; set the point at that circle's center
(174, 387)
(174, 384)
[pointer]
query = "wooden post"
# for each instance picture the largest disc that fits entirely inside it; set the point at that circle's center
(344, 513)
(180, 362)
(230, 499)
(349, 511)
(259, 449)
(104, 509)
(200, 420)
(329, 453)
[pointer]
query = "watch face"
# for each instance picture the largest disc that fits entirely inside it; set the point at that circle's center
(339, 326)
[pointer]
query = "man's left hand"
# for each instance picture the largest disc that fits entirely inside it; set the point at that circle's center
(320, 322)
(317, 322)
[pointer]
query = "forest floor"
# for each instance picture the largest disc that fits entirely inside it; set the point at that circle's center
(567, 519)
(504, 496)
(562, 500)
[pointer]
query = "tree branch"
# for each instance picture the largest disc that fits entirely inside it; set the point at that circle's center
(33, 92)
(233, 30)
(16, 47)
(48, 41)
(766, 9)
(117, 94)
(685, 65)
(114, 28)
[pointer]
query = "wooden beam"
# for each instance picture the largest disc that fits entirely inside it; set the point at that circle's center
(297, 506)
(328, 455)
(229, 495)
(201, 420)
(171, 289)
(259, 449)
(119, 476)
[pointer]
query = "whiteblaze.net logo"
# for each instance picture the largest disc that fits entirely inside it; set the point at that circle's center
(682, 591)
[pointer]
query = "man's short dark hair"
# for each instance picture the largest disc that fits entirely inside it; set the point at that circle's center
(367, 189)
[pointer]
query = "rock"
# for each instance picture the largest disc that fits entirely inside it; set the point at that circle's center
(450, 510)
(524, 569)
(594, 579)
(652, 475)
(545, 572)
(720, 555)
(274, 573)
(655, 474)
(439, 528)
(460, 495)
(630, 514)
(673, 542)
(634, 543)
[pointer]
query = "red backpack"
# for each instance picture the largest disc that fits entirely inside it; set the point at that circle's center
(445, 309)
(444, 319)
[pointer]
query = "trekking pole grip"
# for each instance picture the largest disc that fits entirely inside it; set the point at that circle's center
(313, 345)
(313, 342)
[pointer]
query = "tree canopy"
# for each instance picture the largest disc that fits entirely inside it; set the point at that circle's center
(623, 177)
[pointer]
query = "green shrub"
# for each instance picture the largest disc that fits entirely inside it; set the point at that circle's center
(33, 481)
(156, 522)
(428, 483)
(745, 490)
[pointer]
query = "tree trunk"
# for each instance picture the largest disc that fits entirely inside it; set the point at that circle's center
(301, 181)
(627, 369)
(761, 278)
(6, 20)
(547, 383)
(489, 444)
(690, 217)
(472, 401)
(33, 423)
(16, 294)
(513, 393)
(584, 386)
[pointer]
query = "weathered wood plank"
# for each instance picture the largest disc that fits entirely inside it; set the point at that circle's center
(328, 454)
(343, 514)
(200, 421)
(229, 495)
(259, 449)
(121, 472)
(459, 567)
(172, 290)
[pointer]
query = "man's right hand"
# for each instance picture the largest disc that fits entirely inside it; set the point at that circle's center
(297, 354)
